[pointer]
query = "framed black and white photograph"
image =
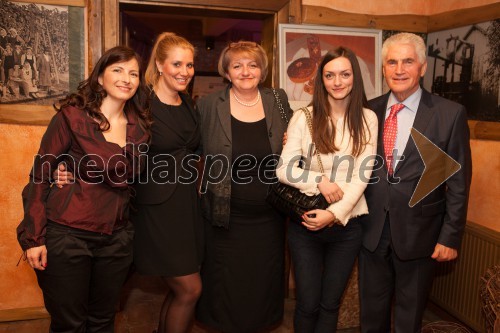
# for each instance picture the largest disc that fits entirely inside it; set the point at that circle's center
(42, 58)
(302, 47)
(463, 65)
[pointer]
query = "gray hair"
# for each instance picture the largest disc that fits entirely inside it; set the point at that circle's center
(406, 38)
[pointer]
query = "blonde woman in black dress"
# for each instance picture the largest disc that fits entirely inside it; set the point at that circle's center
(168, 239)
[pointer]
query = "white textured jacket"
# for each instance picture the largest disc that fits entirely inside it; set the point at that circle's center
(350, 173)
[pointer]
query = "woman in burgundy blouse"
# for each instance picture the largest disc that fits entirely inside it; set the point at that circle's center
(78, 238)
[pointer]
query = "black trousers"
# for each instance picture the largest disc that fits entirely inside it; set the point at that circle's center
(382, 277)
(84, 275)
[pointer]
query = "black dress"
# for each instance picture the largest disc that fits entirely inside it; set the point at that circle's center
(242, 272)
(169, 231)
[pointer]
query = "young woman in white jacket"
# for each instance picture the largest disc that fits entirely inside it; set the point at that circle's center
(325, 244)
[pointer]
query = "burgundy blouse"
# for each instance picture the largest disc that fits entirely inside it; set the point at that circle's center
(99, 198)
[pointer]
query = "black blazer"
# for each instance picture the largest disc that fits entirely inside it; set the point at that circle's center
(154, 191)
(441, 216)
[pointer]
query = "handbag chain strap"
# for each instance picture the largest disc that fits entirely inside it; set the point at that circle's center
(280, 106)
(309, 124)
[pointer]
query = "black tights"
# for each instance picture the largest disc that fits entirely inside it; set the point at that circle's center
(178, 307)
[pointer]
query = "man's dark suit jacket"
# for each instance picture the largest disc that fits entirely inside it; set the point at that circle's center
(441, 216)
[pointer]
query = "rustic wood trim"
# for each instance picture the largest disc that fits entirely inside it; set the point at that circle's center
(26, 114)
(484, 130)
(95, 41)
(197, 5)
(239, 5)
(467, 16)
(328, 16)
(403, 22)
(268, 37)
(75, 3)
(23, 314)
(295, 15)
(488, 234)
(283, 16)
(111, 23)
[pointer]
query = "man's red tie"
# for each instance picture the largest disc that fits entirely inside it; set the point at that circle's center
(390, 132)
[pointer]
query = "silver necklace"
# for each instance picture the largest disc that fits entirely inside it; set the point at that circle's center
(247, 104)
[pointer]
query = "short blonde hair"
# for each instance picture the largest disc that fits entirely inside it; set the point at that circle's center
(251, 49)
(165, 42)
(406, 38)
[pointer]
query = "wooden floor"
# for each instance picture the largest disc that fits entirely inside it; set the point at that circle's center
(141, 303)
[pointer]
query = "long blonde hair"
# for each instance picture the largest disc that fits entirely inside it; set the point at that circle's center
(165, 42)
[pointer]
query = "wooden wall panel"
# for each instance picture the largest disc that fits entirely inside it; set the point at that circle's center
(110, 23)
(283, 16)
(328, 16)
(398, 7)
(403, 22)
(95, 40)
(264, 5)
(268, 33)
(76, 3)
(295, 12)
(468, 16)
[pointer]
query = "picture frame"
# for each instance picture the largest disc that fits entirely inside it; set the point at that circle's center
(462, 66)
(31, 100)
(302, 46)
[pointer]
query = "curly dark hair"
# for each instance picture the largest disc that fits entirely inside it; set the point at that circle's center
(90, 93)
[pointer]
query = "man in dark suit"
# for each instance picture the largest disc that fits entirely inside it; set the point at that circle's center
(401, 244)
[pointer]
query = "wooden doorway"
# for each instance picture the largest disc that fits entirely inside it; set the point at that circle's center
(137, 23)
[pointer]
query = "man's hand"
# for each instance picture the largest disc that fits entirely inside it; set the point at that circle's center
(444, 253)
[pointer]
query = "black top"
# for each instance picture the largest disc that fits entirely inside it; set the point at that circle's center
(251, 172)
(172, 152)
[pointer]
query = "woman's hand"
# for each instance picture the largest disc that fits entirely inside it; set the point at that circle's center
(61, 176)
(317, 219)
(285, 138)
(329, 190)
(37, 257)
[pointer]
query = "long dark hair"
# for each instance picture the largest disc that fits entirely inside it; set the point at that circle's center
(324, 133)
(90, 93)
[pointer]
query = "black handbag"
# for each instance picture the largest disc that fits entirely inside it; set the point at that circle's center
(289, 200)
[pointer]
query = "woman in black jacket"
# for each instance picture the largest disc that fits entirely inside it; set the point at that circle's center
(242, 127)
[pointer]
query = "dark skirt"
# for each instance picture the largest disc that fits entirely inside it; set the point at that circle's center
(169, 236)
(243, 271)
